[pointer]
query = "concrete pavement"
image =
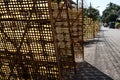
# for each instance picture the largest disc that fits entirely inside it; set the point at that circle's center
(102, 53)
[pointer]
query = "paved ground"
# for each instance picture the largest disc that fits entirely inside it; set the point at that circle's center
(103, 56)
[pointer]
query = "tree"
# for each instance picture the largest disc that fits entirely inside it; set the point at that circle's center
(92, 13)
(110, 13)
(111, 17)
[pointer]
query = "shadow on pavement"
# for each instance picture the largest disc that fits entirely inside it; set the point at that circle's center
(103, 30)
(86, 71)
(88, 43)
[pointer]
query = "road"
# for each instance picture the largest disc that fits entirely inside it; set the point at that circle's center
(104, 52)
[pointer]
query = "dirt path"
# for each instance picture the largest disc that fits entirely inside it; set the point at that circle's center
(104, 52)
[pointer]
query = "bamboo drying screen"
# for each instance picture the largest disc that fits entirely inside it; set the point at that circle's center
(88, 29)
(91, 28)
(77, 33)
(63, 40)
(26, 41)
(97, 27)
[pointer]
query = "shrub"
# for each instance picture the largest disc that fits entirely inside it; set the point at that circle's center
(117, 25)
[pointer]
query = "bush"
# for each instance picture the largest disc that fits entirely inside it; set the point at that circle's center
(117, 25)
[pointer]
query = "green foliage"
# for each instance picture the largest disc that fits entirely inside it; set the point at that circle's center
(85, 12)
(117, 25)
(92, 13)
(110, 13)
(112, 17)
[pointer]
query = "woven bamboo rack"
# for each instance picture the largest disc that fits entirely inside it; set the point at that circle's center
(91, 28)
(68, 27)
(39, 40)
